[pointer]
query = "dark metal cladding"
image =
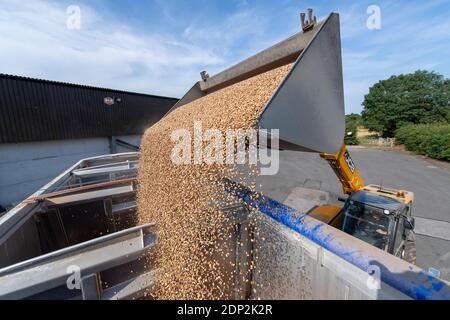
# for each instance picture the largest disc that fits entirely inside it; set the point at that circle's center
(39, 110)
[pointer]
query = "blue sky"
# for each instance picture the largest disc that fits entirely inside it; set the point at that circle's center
(160, 46)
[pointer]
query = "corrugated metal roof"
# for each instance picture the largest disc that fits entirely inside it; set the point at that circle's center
(37, 110)
(68, 84)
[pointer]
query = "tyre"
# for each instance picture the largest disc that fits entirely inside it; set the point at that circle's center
(409, 249)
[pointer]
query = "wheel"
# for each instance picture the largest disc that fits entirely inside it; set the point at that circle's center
(409, 249)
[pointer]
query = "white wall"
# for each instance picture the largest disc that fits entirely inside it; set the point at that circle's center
(26, 167)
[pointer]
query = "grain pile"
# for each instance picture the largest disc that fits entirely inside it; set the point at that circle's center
(185, 201)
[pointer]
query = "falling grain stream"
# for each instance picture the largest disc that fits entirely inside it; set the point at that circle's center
(185, 201)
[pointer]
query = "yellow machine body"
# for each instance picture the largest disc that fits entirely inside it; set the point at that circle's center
(328, 214)
(351, 181)
(406, 197)
(345, 169)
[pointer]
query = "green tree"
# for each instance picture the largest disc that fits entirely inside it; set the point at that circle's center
(419, 97)
(447, 89)
(353, 119)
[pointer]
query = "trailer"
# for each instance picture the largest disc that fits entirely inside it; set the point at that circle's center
(78, 237)
(84, 220)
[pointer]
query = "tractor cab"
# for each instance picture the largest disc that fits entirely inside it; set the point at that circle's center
(378, 216)
(380, 220)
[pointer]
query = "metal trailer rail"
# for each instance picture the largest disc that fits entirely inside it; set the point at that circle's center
(52, 270)
(15, 218)
(28, 272)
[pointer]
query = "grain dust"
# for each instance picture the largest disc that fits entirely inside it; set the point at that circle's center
(186, 201)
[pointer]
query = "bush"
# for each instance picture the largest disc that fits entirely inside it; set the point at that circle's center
(432, 140)
(352, 121)
(351, 139)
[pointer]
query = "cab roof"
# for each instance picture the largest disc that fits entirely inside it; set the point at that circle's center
(377, 200)
(403, 196)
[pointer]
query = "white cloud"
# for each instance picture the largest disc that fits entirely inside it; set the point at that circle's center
(37, 43)
(109, 53)
(412, 37)
(242, 30)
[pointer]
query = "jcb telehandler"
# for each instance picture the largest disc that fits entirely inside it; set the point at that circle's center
(308, 109)
(374, 214)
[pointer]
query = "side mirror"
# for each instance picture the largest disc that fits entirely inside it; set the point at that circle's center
(342, 199)
(410, 223)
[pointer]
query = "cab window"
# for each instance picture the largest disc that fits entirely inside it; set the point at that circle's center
(367, 223)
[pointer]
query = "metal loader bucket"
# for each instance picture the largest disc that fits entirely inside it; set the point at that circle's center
(308, 106)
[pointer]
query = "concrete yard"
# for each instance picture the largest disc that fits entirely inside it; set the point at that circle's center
(429, 181)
